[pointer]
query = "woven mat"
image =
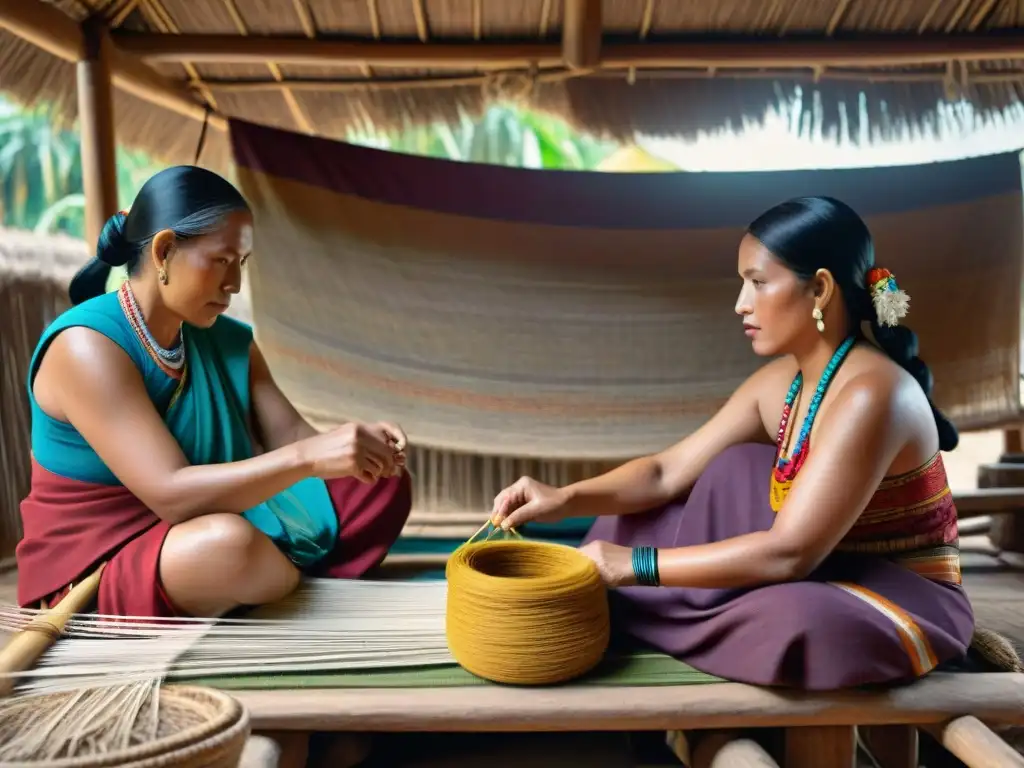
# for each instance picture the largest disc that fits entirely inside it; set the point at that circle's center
(640, 668)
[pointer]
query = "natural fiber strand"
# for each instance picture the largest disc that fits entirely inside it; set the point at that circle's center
(995, 650)
(525, 612)
(143, 725)
(324, 625)
(519, 611)
(549, 595)
(88, 721)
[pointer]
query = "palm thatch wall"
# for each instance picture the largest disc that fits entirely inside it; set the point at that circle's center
(888, 65)
(34, 273)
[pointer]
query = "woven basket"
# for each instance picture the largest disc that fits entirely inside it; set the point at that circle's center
(198, 728)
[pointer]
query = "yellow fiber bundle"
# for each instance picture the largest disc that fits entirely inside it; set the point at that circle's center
(525, 612)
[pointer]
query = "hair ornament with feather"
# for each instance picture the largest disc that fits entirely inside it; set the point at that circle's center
(890, 301)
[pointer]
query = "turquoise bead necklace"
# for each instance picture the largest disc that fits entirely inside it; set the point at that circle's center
(786, 468)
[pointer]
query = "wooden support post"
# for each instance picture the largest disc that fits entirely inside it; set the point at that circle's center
(892, 746)
(1012, 442)
(821, 745)
(96, 124)
(581, 33)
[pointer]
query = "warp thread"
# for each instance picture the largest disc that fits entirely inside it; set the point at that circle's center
(525, 612)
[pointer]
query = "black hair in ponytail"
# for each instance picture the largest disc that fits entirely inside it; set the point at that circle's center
(188, 200)
(811, 233)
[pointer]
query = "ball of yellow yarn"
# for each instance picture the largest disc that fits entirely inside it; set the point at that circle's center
(525, 612)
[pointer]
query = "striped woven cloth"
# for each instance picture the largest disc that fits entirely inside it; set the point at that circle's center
(549, 322)
(520, 313)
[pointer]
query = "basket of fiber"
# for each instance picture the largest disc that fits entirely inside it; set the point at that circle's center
(134, 725)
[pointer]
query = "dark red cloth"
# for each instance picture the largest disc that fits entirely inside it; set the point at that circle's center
(71, 526)
(370, 519)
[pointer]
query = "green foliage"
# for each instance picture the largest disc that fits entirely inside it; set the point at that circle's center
(41, 166)
(41, 173)
(505, 135)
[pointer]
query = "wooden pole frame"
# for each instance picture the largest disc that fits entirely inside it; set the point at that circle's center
(57, 33)
(96, 125)
(582, 30)
(746, 53)
(582, 49)
(258, 49)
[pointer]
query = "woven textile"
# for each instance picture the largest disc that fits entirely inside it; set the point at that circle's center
(563, 315)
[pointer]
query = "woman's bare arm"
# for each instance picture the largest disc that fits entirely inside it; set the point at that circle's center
(854, 447)
(651, 481)
(101, 393)
(278, 423)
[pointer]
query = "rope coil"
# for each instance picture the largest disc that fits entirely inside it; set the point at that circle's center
(525, 612)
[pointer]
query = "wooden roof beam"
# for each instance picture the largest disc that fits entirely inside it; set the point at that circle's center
(233, 49)
(57, 33)
(772, 53)
(581, 34)
(751, 53)
(157, 17)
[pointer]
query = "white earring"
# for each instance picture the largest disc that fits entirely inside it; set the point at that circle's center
(818, 320)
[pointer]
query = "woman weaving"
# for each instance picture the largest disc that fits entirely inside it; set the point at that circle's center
(162, 446)
(806, 534)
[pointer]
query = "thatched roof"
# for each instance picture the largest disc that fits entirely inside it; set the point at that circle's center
(661, 67)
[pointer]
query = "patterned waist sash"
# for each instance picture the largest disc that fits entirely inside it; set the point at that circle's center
(912, 520)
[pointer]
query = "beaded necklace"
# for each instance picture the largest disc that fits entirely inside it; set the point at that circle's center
(171, 361)
(785, 469)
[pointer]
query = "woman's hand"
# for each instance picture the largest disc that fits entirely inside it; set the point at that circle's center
(527, 500)
(367, 452)
(614, 562)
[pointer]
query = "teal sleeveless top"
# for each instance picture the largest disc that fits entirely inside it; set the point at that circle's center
(56, 445)
(207, 417)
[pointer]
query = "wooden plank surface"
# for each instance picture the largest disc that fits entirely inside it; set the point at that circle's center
(990, 697)
(988, 501)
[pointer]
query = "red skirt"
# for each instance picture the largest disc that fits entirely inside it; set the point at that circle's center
(71, 527)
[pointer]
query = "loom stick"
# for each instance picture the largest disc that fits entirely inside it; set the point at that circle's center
(25, 648)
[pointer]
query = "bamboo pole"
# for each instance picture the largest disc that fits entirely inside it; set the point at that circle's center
(235, 49)
(55, 32)
(349, 85)
(747, 53)
(96, 123)
(865, 51)
(975, 744)
(25, 648)
(352, 85)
